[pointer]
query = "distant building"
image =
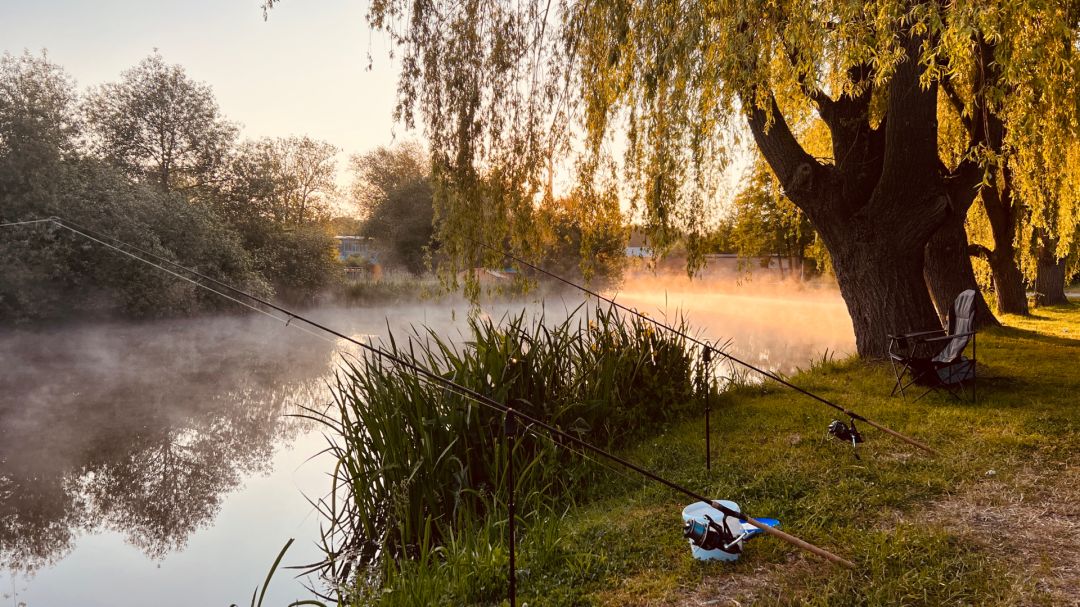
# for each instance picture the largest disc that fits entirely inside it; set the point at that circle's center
(638, 245)
(356, 245)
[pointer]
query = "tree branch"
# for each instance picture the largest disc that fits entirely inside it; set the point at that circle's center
(825, 105)
(958, 104)
(797, 170)
(978, 250)
(963, 184)
(911, 146)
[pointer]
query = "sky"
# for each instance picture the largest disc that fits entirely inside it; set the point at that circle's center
(304, 71)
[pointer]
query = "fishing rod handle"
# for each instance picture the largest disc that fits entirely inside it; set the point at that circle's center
(899, 436)
(791, 539)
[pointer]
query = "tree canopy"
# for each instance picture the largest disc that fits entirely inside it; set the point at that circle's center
(158, 124)
(254, 220)
(392, 188)
(645, 98)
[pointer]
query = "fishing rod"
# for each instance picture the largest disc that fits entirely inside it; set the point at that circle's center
(853, 415)
(435, 378)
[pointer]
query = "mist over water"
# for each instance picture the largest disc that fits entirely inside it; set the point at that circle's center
(776, 324)
(160, 459)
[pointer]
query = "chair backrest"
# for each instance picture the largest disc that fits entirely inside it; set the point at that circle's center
(961, 320)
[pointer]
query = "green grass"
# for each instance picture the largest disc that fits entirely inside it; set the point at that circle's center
(773, 457)
(914, 524)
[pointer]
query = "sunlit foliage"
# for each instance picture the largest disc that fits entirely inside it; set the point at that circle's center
(500, 87)
(158, 124)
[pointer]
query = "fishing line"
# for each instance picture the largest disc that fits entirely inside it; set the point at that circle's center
(23, 223)
(705, 344)
(435, 378)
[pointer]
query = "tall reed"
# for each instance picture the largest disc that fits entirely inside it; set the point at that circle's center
(419, 466)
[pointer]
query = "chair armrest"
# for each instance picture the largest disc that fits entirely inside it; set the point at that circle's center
(948, 337)
(916, 334)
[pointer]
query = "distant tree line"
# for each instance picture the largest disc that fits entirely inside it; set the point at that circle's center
(150, 160)
(394, 189)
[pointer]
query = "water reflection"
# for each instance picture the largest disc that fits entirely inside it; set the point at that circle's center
(139, 429)
(174, 436)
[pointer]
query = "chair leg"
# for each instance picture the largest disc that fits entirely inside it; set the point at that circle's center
(974, 365)
(953, 392)
(897, 375)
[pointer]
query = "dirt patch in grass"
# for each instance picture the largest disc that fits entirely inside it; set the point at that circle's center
(739, 588)
(1032, 520)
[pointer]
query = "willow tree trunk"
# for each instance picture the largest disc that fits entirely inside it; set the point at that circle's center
(948, 271)
(878, 206)
(1049, 276)
(882, 284)
(1008, 282)
(1002, 212)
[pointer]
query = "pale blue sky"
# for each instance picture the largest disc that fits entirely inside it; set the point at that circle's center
(301, 72)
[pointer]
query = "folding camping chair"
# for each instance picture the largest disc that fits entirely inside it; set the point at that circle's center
(935, 359)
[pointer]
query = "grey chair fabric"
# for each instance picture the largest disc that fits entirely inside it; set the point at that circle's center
(961, 323)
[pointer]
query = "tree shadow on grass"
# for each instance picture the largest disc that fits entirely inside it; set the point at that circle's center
(1017, 333)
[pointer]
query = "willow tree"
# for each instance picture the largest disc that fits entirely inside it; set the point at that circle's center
(1042, 145)
(1016, 98)
(643, 97)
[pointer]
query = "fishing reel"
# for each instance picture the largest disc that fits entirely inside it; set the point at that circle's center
(710, 535)
(840, 430)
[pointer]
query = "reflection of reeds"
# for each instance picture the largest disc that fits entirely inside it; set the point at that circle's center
(420, 467)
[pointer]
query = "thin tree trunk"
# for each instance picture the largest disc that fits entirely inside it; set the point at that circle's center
(998, 200)
(1001, 211)
(948, 272)
(1008, 282)
(1049, 276)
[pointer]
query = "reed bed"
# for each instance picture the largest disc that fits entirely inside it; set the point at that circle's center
(421, 472)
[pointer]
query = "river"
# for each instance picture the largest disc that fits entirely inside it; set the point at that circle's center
(159, 463)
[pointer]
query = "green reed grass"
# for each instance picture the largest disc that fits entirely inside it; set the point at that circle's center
(421, 471)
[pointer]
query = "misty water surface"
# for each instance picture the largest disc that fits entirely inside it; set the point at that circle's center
(157, 463)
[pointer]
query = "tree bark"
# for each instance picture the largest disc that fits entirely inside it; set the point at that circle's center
(878, 206)
(1008, 282)
(882, 286)
(1049, 275)
(985, 128)
(948, 272)
(1002, 212)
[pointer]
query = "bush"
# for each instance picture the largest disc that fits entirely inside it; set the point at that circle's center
(52, 272)
(419, 464)
(300, 262)
(358, 261)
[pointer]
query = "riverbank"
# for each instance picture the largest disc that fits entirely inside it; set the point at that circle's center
(992, 520)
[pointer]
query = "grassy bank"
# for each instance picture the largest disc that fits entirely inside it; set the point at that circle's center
(993, 520)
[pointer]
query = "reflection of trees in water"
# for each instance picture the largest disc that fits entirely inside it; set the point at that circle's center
(141, 429)
(38, 515)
